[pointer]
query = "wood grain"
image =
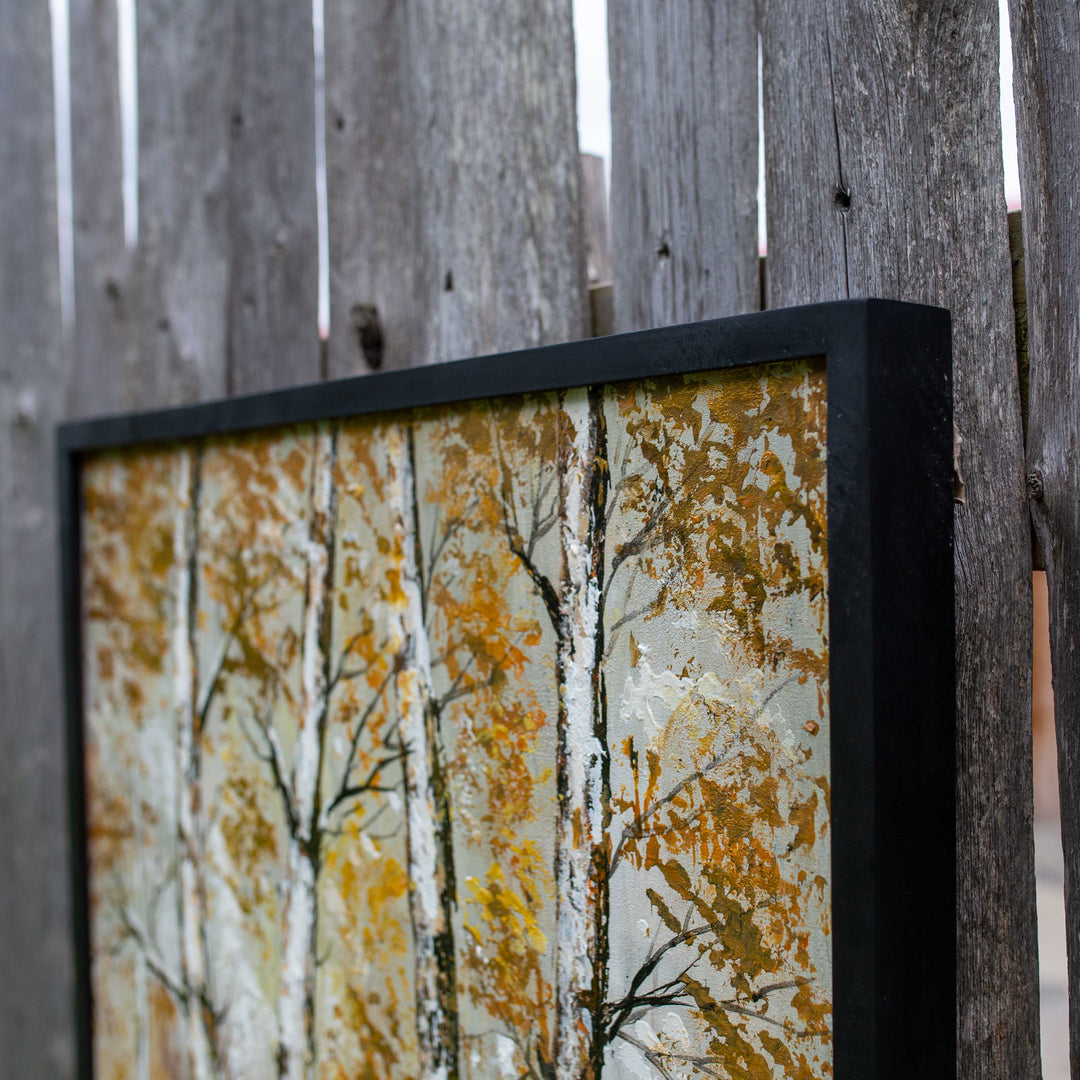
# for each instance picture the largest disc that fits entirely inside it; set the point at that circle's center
(104, 360)
(683, 160)
(36, 1018)
(1046, 74)
(500, 187)
(378, 311)
(274, 272)
(454, 181)
(227, 254)
(884, 178)
(183, 259)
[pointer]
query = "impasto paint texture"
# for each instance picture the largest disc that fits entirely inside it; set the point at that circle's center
(486, 741)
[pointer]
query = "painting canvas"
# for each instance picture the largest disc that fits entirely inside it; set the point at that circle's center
(477, 740)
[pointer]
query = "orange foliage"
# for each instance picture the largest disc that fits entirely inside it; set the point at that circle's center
(706, 508)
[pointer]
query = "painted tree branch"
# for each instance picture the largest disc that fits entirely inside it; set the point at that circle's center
(345, 789)
(543, 585)
(273, 756)
(623, 1008)
(172, 981)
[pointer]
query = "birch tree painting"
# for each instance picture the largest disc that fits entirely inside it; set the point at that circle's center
(488, 740)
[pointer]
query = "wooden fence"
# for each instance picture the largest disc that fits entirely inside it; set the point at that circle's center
(456, 208)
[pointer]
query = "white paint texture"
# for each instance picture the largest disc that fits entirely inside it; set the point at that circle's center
(580, 813)
(413, 690)
(297, 963)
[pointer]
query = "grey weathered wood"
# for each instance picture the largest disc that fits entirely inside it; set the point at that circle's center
(500, 178)
(274, 244)
(378, 311)
(227, 256)
(103, 358)
(883, 160)
(184, 64)
(683, 160)
(454, 181)
(1046, 74)
(594, 199)
(36, 1017)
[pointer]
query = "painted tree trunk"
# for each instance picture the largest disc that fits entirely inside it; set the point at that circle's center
(296, 987)
(427, 812)
(582, 777)
(299, 936)
(198, 1019)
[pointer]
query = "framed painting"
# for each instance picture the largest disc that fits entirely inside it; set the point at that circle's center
(579, 713)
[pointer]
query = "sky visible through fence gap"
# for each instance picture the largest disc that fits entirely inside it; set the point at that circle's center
(58, 14)
(322, 218)
(129, 116)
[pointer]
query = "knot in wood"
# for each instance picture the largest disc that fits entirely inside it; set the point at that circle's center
(369, 334)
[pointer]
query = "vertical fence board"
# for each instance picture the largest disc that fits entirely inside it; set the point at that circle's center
(378, 312)
(103, 357)
(454, 181)
(184, 75)
(500, 177)
(684, 160)
(35, 951)
(884, 178)
(227, 258)
(274, 272)
(804, 174)
(1046, 72)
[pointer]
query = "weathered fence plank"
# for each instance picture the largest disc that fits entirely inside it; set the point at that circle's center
(884, 178)
(227, 258)
(36, 1019)
(454, 181)
(378, 312)
(184, 65)
(103, 361)
(274, 272)
(500, 188)
(1046, 73)
(683, 160)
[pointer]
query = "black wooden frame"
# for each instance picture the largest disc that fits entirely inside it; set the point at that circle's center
(891, 627)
